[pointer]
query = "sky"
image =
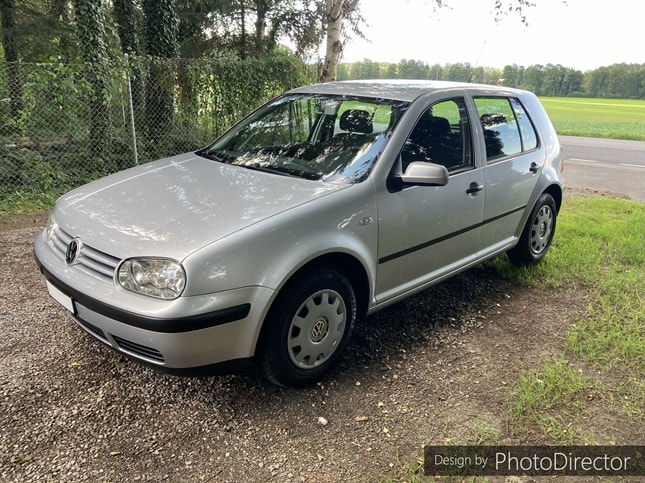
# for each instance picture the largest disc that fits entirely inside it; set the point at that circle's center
(580, 34)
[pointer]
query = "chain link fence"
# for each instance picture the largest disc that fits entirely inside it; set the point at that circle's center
(61, 126)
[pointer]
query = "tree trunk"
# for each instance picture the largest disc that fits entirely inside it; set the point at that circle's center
(8, 13)
(162, 28)
(124, 12)
(242, 43)
(260, 26)
(335, 13)
(60, 10)
(90, 27)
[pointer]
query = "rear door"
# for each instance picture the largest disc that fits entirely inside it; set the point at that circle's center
(426, 232)
(513, 164)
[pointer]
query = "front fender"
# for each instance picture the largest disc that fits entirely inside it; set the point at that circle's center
(268, 253)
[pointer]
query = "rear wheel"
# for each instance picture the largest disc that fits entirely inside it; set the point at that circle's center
(308, 328)
(538, 232)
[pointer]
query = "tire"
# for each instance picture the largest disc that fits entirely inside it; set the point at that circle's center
(537, 234)
(308, 328)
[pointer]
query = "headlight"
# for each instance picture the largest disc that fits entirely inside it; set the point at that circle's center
(51, 224)
(156, 277)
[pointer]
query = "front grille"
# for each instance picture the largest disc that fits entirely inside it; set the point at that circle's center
(93, 261)
(138, 349)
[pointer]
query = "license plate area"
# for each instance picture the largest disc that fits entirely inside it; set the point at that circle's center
(60, 297)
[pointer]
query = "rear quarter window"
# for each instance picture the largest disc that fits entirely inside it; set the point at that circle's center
(527, 132)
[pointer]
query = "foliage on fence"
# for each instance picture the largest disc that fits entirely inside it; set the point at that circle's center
(47, 146)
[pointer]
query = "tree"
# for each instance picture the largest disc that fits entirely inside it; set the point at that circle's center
(8, 16)
(261, 10)
(126, 20)
(412, 69)
(574, 80)
(9, 44)
(58, 16)
(301, 23)
(366, 70)
(435, 72)
(90, 28)
(459, 72)
(161, 29)
(44, 30)
(477, 75)
(335, 12)
(534, 78)
(513, 75)
(390, 71)
(553, 80)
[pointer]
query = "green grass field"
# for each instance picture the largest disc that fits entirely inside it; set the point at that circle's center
(602, 118)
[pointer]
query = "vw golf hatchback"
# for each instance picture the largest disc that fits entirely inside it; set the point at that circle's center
(326, 204)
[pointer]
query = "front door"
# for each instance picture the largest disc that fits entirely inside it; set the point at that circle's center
(427, 232)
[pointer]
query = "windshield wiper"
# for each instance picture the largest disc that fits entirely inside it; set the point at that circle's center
(220, 156)
(204, 153)
(257, 167)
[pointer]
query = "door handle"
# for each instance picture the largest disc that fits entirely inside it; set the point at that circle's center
(534, 167)
(474, 188)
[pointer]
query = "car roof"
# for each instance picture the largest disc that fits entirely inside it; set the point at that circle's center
(398, 89)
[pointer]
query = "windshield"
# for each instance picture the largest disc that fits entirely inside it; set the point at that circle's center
(327, 138)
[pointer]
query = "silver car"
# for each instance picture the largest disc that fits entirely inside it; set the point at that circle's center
(326, 204)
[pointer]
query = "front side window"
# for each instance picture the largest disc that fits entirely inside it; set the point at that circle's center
(507, 129)
(441, 136)
(326, 138)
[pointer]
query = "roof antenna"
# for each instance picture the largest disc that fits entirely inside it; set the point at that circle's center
(472, 73)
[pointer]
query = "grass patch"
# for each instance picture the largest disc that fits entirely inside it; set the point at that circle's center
(603, 118)
(601, 244)
(610, 334)
(599, 250)
(24, 202)
(484, 433)
(550, 398)
(598, 242)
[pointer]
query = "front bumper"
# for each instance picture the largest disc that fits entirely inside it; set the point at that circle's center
(189, 334)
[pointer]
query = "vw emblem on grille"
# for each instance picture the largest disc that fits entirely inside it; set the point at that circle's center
(73, 251)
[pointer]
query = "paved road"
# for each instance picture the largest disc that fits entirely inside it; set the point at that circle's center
(606, 165)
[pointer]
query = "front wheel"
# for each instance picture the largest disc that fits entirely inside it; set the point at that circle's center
(308, 328)
(538, 233)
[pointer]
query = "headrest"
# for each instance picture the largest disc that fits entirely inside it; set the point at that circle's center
(435, 126)
(356, 120)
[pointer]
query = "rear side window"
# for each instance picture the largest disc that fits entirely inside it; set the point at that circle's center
(507, 128)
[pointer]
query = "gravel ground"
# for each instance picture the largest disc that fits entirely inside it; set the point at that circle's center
(425, 371)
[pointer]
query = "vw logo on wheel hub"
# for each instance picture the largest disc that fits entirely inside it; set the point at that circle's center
(319, 330)
(73, 251)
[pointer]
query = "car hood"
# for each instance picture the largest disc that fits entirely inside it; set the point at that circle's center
(177, 205)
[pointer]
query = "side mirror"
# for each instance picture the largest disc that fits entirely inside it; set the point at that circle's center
(426, 174)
